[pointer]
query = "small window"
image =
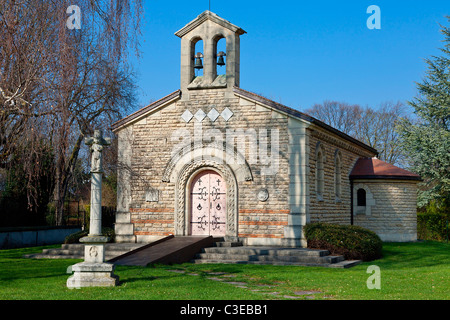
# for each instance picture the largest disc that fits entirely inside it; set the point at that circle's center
(361, 198)
(319, 175)
(337, 176)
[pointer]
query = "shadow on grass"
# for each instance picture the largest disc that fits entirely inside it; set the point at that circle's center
(130, 274)
(14, 267)
(415, 255)
(140, 278)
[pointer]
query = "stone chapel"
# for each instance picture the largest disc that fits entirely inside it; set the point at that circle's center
(214, 159)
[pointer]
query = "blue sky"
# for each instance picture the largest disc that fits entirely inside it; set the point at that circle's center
(304, 52)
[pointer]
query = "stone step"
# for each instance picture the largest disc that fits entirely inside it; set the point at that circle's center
(73, 246)
(62, 256)
(76, 251)
(267, 251)
(108, 246)
(61, 252)
(274, 263)
(228, 244)
(51, 256)
(271, 258)
(345, 264)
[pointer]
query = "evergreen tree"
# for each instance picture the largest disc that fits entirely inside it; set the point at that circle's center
(427, 141)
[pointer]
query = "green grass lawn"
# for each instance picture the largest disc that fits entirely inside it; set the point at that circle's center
(408, 271)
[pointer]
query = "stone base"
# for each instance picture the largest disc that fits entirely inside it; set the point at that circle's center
(126, 239)
(94, 239)
(147, 238)
(92, 275)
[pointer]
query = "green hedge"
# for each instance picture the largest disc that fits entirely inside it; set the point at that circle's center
(432, 226)
(353, 242)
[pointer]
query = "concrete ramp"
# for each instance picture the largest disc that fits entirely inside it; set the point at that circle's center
(165, 251)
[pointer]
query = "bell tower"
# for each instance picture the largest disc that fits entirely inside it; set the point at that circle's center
(209, 28)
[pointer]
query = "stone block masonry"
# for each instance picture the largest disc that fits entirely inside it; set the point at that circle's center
(291, 199)
(330, 207)
(154, 138)
(393, 216)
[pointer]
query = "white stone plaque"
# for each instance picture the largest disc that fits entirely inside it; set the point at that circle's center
(263, 195)
(152, 195)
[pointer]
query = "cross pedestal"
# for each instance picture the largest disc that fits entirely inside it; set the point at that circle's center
(86, 274)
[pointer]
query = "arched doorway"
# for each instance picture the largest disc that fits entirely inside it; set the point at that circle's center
(208, 201)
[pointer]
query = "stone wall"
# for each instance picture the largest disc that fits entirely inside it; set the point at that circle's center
(393, 208)
(330, 208)
(30, 237)
(275, 192)
(150, 209)
(271, 206)
(274, 199)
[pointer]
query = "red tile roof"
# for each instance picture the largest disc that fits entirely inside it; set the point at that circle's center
(373, 168)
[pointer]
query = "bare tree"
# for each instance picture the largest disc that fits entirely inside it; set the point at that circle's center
(376, 127)
(26, 57)
(62, 83)
(339, 115)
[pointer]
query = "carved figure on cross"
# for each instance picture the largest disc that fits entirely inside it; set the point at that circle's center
(96, 144)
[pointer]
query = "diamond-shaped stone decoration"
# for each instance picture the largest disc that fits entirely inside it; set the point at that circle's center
(200, 115)
(213, 114)
(226, 114)
(187, 116)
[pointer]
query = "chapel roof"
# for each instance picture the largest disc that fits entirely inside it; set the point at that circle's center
(145, 110)
(373, 168)
(297, 114)
(208, 15)
(246, 94)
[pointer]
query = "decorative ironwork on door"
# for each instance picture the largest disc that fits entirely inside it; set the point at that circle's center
(208, 204)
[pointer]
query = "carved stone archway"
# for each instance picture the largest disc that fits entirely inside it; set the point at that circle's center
(216, 153)
(195, 157)
(182, 195)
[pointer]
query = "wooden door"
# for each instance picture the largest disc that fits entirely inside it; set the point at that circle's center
(208, 204)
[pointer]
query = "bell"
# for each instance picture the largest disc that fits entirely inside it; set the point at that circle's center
(198, 61)
(220, 60)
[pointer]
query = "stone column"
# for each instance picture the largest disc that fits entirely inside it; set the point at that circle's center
(209, 70)
(96, 144)
(95, 228)
(94, 272)
(298, 152)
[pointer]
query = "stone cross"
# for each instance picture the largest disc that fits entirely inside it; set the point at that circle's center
(96, 143)
(94, 271)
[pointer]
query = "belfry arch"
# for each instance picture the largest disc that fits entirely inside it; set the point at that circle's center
(210, 28)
